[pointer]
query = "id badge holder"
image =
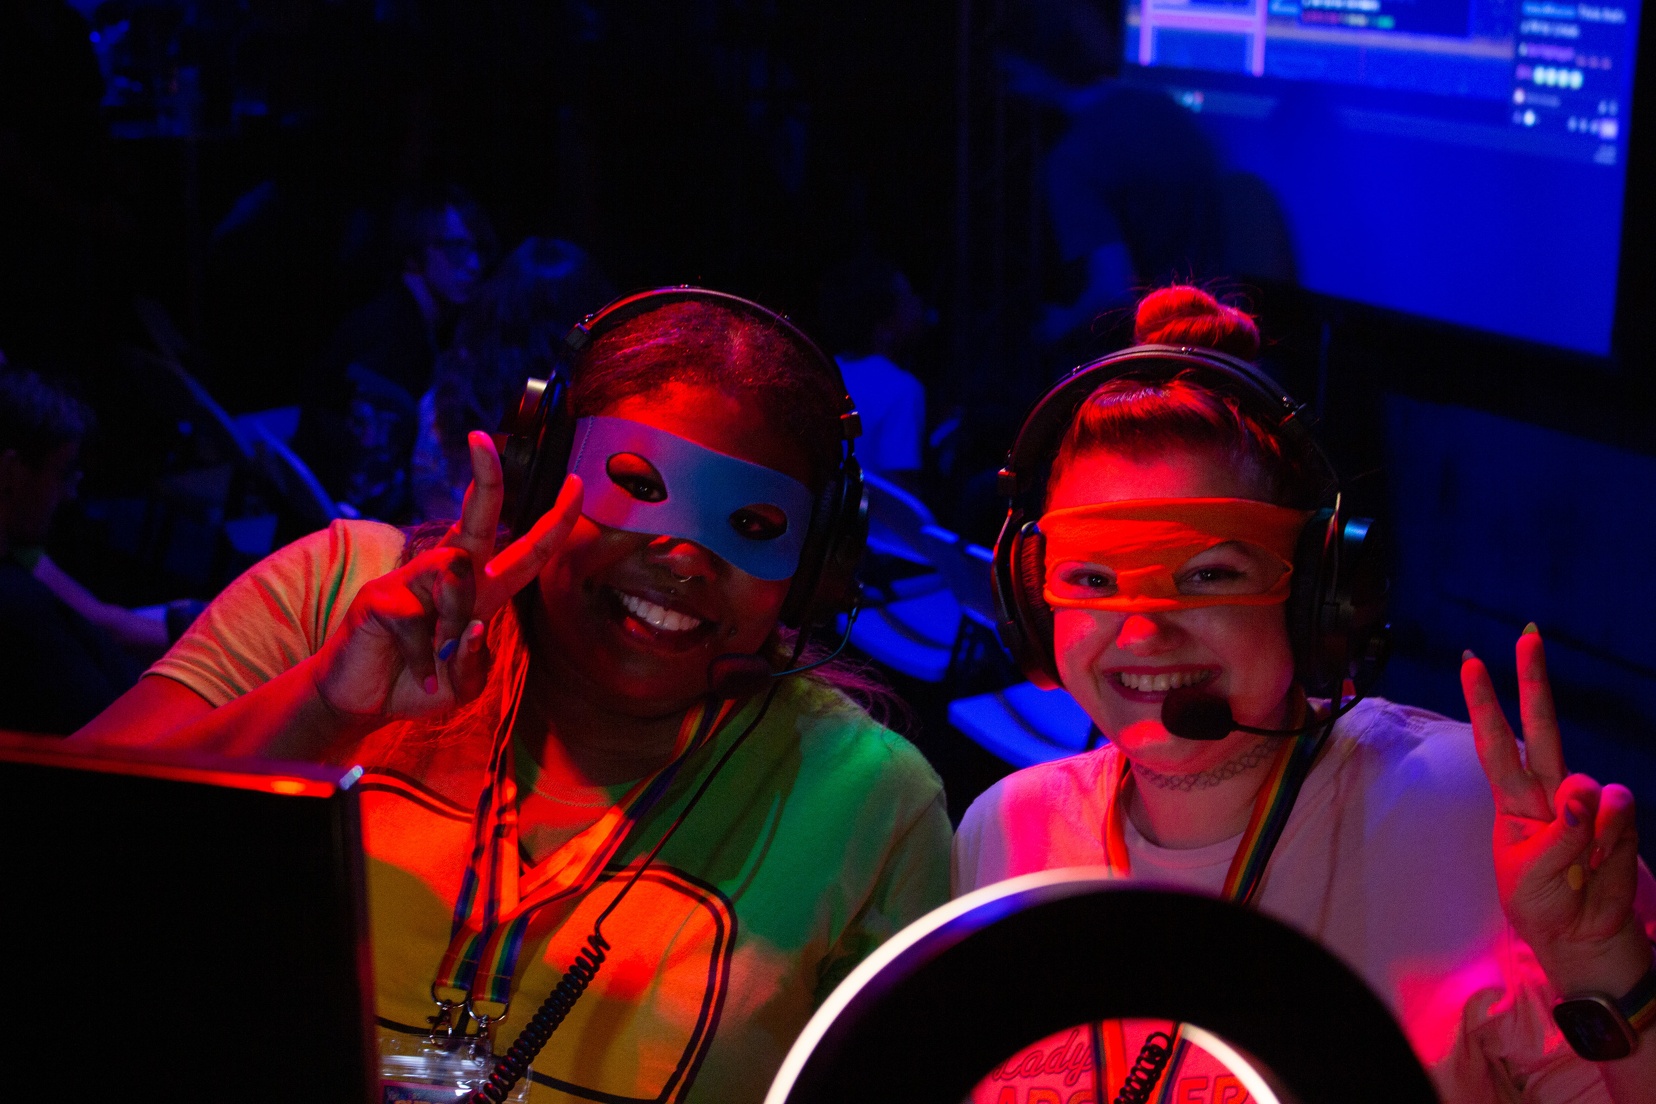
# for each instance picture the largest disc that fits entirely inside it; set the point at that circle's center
(437, 1068)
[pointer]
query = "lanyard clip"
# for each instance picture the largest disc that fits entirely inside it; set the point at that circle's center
(442, 1024)
(484, 1039)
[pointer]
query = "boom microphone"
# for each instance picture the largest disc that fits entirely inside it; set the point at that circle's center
(734, 675)
(1191, 713)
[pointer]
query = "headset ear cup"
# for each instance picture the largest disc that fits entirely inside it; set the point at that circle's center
(1025, 619)
(1337, 605)
(826, 583)
(1313, 567)
(518, 445)
(1032, 588)
(1364, 588)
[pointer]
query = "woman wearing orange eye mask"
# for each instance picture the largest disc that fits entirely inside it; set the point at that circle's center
(1160, 568)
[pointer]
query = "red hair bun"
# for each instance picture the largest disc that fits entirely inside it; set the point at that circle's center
(1184, 315)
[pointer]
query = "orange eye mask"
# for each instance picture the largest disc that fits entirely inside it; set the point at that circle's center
(1135, 557)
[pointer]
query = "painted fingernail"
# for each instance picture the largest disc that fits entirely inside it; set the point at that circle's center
(1530, 628)
(1571, 817)
(430, 684)
(1466, 655)
(447, 650)
(1576, 876)
(474, 636)
(1595, 857)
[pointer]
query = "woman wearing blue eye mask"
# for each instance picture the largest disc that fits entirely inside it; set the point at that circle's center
(537, 720)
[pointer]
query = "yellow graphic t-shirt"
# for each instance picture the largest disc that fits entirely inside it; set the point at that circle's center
(823, 835)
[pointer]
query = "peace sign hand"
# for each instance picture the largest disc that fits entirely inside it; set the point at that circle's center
(412, 643)
(1566, 850)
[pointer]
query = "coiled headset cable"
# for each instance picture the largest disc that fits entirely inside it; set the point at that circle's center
(515, 1063)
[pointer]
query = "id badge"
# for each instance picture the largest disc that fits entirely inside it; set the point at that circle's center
(437, 1069)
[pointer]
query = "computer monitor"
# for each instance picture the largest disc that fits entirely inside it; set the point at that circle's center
(1463, 160)
(182, 928)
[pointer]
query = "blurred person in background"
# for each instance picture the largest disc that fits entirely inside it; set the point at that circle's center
(359, 417)
(870, 315)
(64, 653)
(512, 329)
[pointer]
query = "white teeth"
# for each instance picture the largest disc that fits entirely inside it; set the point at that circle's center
(1160, 683)
(659, 617)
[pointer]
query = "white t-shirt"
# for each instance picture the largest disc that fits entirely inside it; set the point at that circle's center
(893, 408)
(1386, 861)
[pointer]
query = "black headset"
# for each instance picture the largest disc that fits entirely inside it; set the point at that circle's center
(1337, 603)
(536, 438)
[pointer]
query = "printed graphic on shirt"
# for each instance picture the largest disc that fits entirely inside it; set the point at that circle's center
(641, 1030)
(639, 1033)
(1059, 1070)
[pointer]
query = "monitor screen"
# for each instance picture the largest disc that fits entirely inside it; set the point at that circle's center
(193, 925)
(1458, 159)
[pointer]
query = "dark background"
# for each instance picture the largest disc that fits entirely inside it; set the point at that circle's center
(233, 162)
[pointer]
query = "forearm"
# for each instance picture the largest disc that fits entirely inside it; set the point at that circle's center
(130, 630)
(146, 636)
(285, 718)
(1632, 1080)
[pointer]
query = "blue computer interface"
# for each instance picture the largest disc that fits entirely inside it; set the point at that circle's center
(1459, 159)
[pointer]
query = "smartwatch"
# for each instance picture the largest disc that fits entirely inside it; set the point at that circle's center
(1601, 1028)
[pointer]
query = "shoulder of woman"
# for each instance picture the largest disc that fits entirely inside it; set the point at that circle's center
(347, 545)
(280, 610)
(344, 556)
(365, 539)
(831, 726)
(1056, 789)
(1414, 756)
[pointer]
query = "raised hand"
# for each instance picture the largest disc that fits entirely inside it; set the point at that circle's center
(1566, 850)
(412, 643)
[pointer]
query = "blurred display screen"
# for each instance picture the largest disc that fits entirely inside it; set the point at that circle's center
(1458, 159)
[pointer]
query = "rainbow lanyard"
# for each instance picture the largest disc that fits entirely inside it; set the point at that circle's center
(498, 896)
(1272, 806)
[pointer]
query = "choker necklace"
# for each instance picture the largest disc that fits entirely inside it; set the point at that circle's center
(555, 799)
(1206, 780)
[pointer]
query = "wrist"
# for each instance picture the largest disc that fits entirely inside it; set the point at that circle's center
(1607, 1027)
(1611, 966)
(322, 712)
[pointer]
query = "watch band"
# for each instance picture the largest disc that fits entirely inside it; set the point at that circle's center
(1639, 1005)
(1601, 1028)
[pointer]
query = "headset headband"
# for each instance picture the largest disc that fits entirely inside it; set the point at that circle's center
(1036, 446)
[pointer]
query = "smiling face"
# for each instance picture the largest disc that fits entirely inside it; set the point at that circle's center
(1120, 666)
(634, 619)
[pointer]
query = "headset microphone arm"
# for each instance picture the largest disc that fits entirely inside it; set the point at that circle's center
(1192, 714)
(735, 676)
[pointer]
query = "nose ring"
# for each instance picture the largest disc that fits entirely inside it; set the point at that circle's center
(681, 578)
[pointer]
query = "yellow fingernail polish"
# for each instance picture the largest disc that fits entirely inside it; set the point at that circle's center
(1576, 876)
(1530, 628)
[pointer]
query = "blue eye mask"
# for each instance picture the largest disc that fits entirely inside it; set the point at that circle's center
(707, 495)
